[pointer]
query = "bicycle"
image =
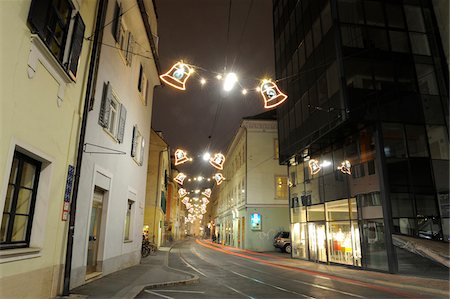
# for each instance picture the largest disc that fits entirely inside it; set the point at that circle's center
(147, 248)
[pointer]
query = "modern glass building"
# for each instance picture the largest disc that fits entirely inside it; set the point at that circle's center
(364, 132)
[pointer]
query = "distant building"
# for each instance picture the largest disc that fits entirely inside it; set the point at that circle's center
(44, 70)
(111, 198)
(364, 132)
(252, 202)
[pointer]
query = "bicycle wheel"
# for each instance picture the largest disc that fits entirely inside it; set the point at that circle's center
(145, 251)
(152, 250)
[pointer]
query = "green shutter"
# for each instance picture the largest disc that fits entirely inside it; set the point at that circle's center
(122, 119)
(105, 106)
(75, 46)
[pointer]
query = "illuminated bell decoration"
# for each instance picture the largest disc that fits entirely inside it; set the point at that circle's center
(182, 192)
(217, 161)
(314, 166)
(177, 76)
(205, 200)
(180, 157)
(188, 205)
(345, 167)
(185, 200)
(219, 178)
(207, 192)
(271, 94)
(180, 178)
(200, 216)
(191, 210)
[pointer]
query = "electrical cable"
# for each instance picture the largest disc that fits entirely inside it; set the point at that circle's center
(242, 33)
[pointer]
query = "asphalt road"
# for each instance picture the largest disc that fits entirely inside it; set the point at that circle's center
(244, 275)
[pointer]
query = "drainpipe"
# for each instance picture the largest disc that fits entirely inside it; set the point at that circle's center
(90, 92)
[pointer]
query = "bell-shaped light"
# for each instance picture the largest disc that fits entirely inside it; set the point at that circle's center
(219, 178)
(271, 94)
(182, 192)
(314, 166)
(207, 192)
(180, 178)
(185, 200)
(177, 75)
(217, 161)
(205, 201)
(180, 157)
(346, 167)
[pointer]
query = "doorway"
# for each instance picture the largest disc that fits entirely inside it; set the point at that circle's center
(94, 231)
(317, 242)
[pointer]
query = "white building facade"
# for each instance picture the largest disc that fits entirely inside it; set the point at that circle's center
(252, 203)
(111, 199)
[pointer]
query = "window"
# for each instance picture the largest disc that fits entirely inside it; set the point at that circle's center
(399, 41)
(371, 167)
(395, 16)
(417, 141)
(137, 146)
(419, 43)
(438, 142)
(20, 201)
(352, 36)
(142, 85)
(374, 13)
(426, 79)
(128, 221)
(124, 39)
(281, 185)
(112, 115)
(327, 20)
(350, 11)
(54, 21)
(317, 32)
(394, 141)
(414, 18)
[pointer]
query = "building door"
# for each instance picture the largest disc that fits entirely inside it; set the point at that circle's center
(94, 231)
(317, 242)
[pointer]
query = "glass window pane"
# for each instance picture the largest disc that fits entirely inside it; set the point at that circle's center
(309, 43)
(350, 11)
(337, 210)
(352, 36)
(299, 245)
(370, 205)
(432, 109)
(28, 172)
(417, 141)
(426, 205)
(317, 32)
(332, 79)
(4, 227)
(316, 212)
(327, 20)
(23, 201)
(9, 197)
(429, 228)
(353, 208)
(359, 74)
(19, 228)
(322, 89)
(395, 16)
(438, 142)
(377, 38)
(441, 176)
(340, 242)
(356, 242)
(14, 168)
(394, 143)
(427, 79)
(402, 205)
(374, 13)
(405, 226)
(375, 251)
(414, 18)
(419, 43)
(399, 41)
(281, 188)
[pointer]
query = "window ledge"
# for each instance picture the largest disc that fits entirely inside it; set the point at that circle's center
(40, 52)
(16, 254)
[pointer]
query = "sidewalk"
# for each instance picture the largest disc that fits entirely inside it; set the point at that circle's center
(153, 271)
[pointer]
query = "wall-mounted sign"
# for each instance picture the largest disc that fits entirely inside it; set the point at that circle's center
(255, 221)
(67, 193)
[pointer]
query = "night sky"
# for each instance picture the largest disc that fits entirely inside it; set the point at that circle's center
(197, 32)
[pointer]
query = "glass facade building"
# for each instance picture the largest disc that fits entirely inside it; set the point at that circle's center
(364, 132)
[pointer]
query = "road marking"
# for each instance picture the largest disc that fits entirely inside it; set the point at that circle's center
(271, 285)
(160, 295)
(328, 289)
(192, 267)
(180, 291)
(237, 291)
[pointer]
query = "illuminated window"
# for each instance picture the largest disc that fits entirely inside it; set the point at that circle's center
(281, 185)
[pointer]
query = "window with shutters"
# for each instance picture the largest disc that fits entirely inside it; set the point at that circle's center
(60, 27)
(137, 146)
(128, 233)
(124, 39)
(142, 85)
(113, 114)
(17, 218)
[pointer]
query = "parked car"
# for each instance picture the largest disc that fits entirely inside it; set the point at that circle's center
(282, 240)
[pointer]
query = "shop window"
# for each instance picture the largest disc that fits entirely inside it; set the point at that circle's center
(315, 212)
(352, 36)
(298, 239)
(337, 210)
(414, 18)
(327, 20)
(404, 226)
(426, 78)
(374, 13)
(394, 141)
(399, 41)
(340, 242)
(395, 16)
(353, 208)
(417, 141)
(402, 205)
(350, 11)
(18, 212)
(375, 254)
(419, 43)
(438, 142)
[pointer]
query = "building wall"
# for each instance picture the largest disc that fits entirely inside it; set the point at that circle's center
(112, 168)
(35, 122)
